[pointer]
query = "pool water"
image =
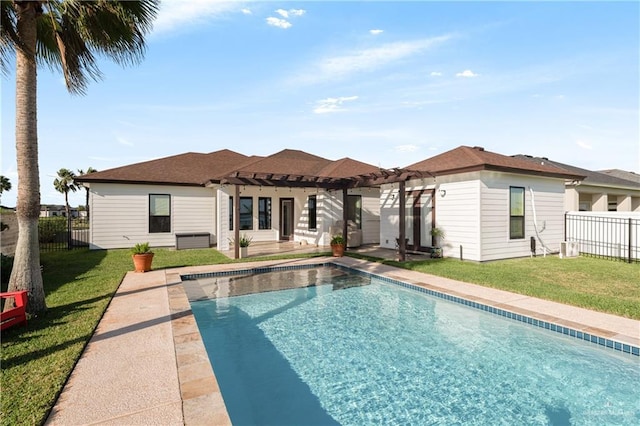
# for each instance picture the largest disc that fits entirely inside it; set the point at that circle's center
(354, 350)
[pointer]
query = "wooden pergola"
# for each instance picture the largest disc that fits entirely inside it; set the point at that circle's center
(369, 180)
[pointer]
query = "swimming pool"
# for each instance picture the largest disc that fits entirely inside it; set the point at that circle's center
(352, 349)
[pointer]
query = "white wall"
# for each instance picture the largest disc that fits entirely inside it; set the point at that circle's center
(120, 214)
(473, 211)
(548, 198)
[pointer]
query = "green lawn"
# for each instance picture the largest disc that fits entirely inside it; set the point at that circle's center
(79, 284)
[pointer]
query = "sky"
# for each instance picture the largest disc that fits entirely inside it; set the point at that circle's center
(386, 83)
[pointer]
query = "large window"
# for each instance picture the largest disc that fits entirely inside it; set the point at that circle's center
(159, 213)
(246, 213)
(313, 218)
(354, 209)
(516, 212)
(264, 213)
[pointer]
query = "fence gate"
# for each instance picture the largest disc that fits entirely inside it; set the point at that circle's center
(61, 233)
(611, 237)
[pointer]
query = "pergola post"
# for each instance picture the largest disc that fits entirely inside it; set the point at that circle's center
(236, 223)
(344, 216)
(402, 241)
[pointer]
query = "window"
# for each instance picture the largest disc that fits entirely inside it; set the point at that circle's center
(311, 202)
(516, 212)
(354, 209)
(246, 213)
(159, 213)
(264, 213)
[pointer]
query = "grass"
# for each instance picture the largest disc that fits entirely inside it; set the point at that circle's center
(587, 282)
(79, 285)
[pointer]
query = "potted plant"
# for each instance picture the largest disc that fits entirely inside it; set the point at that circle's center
(142, 257)
(244, 242)
(438, 235)
(337, 245)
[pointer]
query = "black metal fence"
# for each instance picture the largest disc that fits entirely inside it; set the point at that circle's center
(61, 233)
(607, 237)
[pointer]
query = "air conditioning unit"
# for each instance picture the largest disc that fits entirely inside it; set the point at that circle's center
(568, 249)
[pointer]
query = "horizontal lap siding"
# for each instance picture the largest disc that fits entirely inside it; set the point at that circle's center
(120, 214)
(549, 208)
(457, 214)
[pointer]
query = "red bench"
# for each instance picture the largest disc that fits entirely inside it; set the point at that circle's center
(16, 315)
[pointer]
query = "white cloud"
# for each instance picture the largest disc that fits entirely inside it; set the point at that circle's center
(584, 145)
(246, 11)
(407, 148)
(435, 74)
(467, 73)
(297, 12)
(282, 13)
(332, 104)
(368, 59)
(123, 141)
(376, 32)
(277, 22)
(184, 14)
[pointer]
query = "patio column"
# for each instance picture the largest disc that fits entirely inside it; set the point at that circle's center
(236, 223)
(402, 241)
(344, 216)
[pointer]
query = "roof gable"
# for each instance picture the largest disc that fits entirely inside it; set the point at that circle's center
(184, 169)
(467, 159)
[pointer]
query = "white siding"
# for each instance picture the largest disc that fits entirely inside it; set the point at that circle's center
(458, 215)
(548, 194)
(120, 214)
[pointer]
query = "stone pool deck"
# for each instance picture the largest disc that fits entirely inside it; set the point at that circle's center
(146, 363)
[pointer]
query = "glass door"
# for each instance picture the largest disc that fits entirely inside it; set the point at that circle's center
(286, 218)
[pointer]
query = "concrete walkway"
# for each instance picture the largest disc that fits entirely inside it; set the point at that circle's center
(146, 363)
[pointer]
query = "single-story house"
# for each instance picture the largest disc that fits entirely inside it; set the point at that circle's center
(489, 206)
(608, 191)
(290, 195)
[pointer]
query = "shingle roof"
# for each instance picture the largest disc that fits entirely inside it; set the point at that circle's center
(185, 169)
(622, 174)
(467, 159)
(590, 177)
(199, 169)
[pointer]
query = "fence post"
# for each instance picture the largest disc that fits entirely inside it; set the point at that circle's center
(69, 232)
(629, 253)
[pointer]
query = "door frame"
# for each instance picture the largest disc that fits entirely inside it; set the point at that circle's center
(281, 220)
(416, 218)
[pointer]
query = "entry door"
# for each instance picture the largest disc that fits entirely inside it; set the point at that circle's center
(419, 219)
(286, 218)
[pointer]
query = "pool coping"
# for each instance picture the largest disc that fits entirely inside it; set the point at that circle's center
(609, 331)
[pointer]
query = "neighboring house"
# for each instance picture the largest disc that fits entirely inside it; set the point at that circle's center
(622, 174)
(290, 195)
(598, 192)
(57, 210)
(489, 205)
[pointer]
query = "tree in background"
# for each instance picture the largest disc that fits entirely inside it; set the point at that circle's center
(64, 183)
(5, 184)
(65, 35)
(86, 188)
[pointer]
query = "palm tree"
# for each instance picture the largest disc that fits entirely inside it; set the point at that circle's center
(65, 35)
(86, 188)
(5, 184)
(64, 183)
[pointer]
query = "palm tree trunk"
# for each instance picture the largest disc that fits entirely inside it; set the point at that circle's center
(26, 273)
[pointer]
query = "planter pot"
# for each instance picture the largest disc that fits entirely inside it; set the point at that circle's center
(142, 262)
(337, 249)
(244, 252)
(436, 252)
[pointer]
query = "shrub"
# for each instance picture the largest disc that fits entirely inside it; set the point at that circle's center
(50, 227)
